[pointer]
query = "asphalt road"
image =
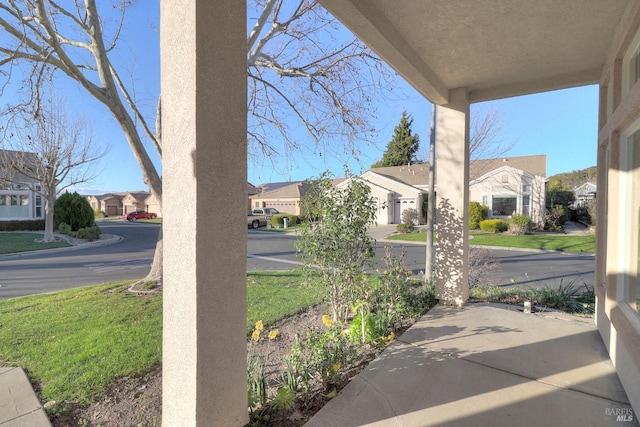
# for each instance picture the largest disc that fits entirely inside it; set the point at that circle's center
(513, 267)
(31, 273)
(129, 259)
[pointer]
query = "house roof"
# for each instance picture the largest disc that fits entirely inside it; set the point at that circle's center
(270, 186)
(28, 159)
(414, 175)
(494, 49)
(535, 165)
(293, 190)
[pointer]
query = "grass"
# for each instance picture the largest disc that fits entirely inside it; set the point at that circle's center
(553, 242)
(75, 343)
(25, 242)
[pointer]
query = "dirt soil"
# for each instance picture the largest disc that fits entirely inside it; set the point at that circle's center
(137, 401)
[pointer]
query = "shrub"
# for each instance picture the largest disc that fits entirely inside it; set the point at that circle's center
(89, 233)
(98, 213)
(477, 213)
(64, 228)
(519, 224)
(404, 228)
(22, 225)
(555, 218)
(410, 216)
(75, 210)
(277, 221)
(493, 225)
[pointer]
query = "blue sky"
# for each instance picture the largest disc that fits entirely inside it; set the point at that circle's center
(560, 124)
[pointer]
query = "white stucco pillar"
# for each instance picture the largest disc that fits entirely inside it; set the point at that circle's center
(203, 84)
(452, 201)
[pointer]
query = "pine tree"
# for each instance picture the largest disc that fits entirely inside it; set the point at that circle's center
(402, 148)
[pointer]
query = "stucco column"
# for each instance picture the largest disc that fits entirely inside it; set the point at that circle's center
(452, 201)
(204, 134)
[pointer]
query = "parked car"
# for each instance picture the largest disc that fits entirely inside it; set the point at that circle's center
(259, 217)
(133, 216)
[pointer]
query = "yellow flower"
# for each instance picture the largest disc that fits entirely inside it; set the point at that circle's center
(391, 337)
(259, 325)
(344, 333)
(336, 367)
(328, 321)
(274, 334)
(255, 335)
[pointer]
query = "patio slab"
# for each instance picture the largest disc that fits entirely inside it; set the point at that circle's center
(483, 365)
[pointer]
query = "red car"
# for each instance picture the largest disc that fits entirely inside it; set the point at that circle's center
(133, 216)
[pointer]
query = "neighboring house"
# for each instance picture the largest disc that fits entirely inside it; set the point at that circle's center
(134, 201)
(507, 186)
(122, 203)
(395, 189)
(285, 197)
(252, 190)
(20, 196)
(583, 193)
(511, 185)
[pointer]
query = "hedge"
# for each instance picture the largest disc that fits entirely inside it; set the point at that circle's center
(277, 221)
(22, 225)
(493, 225)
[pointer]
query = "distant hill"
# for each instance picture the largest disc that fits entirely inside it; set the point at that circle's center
(569, 180)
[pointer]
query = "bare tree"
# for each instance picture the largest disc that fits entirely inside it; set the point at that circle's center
(53, 152)
(485, 134)
(298, 69)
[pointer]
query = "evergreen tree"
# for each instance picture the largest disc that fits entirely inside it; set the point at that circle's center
(402, 148)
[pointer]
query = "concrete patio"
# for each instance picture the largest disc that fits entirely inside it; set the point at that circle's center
(486, 365)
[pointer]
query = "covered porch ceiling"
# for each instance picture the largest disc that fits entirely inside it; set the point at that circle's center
(493, 48)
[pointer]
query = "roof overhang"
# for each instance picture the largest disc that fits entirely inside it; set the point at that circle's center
(494, 49)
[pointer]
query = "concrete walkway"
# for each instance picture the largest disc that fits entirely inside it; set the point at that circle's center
(19, 406)
(486, 365)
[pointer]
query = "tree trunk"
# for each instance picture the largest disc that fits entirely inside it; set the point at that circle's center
(156, 266)
(49, 202)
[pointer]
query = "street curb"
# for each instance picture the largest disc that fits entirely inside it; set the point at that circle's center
(108, 239)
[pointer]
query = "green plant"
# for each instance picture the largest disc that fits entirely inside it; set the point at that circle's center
(477, 213)
(519, 224)
(89, 233)
(64, 228)
(75, 210)
(571, 297)
(339, 243)
(493, 225)
(404, 228)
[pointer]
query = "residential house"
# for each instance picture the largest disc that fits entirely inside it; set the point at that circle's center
(284, 196)
(395, 189)
(510, 185)
(134, 201)
(20, 196)
(454, 53)
(583, 193)
(506, 185)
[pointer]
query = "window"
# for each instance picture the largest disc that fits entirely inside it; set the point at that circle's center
(485, 200)
(634, 68)
(505, 179)
(526, 188)
(526, 202)
(503, 206)
(629, 217)
(38, 206)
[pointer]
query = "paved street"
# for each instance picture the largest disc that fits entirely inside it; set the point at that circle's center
(129, 259)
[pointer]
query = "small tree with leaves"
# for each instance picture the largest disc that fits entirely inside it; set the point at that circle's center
(334, 244)
(402, 148)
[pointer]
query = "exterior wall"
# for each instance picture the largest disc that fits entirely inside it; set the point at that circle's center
(284, 205)
(20, 202)
(151, 204)
(618, 206)
(111, 206)
(511, 183)
(131, 204)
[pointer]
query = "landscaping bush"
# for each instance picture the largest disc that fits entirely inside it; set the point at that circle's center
(89, 233)
(410, 216)
(22, 225)
(404, 228)
(477, 213)
(75, 210)
(64, 228)
(493, 225)
(277, 221)
(519, 224)
(555, 218)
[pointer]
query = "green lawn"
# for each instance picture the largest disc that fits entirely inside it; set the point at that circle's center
(24, 242)
(554, 242)
(75, 343)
